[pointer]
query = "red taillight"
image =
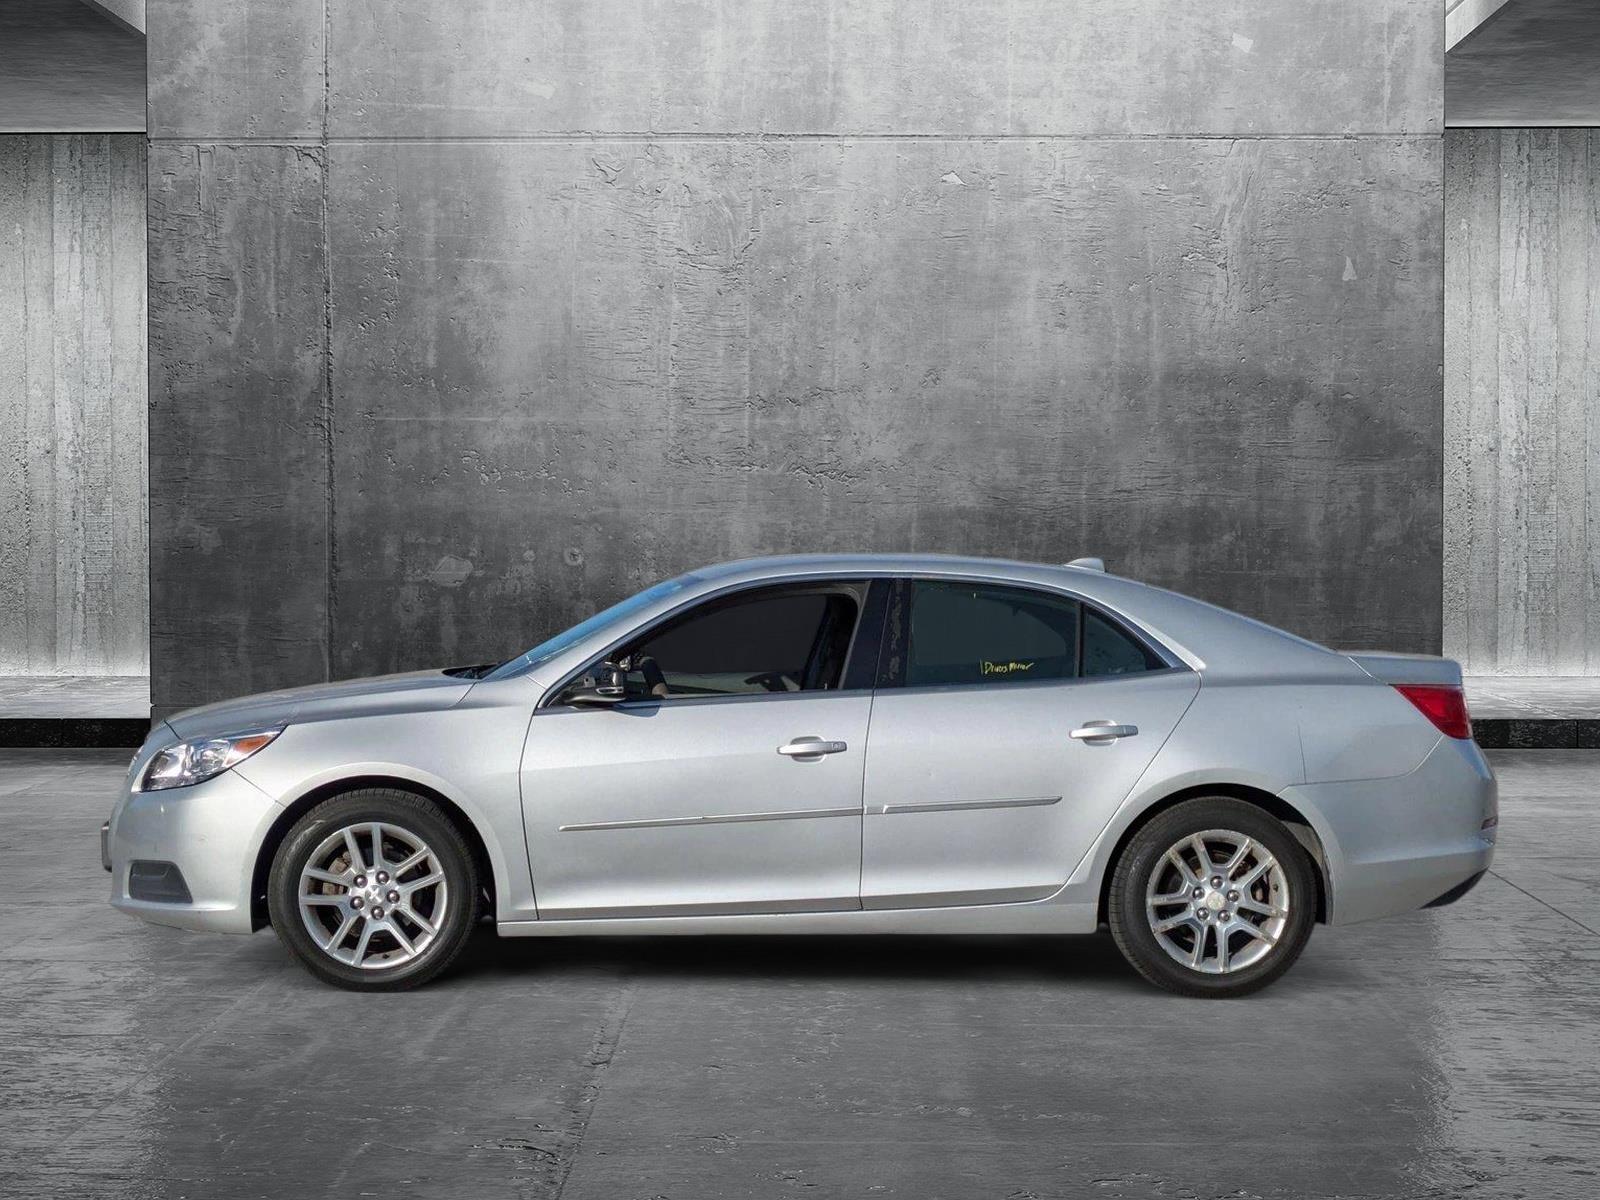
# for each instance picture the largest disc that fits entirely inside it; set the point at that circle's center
(1445, 706)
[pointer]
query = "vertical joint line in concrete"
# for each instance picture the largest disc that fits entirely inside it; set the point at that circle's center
(601, 1051)
(327, 364)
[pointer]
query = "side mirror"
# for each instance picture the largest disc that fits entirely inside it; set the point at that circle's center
(609, 687)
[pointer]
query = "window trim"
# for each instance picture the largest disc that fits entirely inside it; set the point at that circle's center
(859, 588)
(897, 631)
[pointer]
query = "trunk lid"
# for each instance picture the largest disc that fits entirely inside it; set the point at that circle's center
(1408, 668)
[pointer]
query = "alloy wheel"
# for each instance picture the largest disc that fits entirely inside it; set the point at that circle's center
(373, 895)
(1217, 901)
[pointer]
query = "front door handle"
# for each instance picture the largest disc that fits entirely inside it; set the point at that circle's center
(1102, 733)
(811, 747)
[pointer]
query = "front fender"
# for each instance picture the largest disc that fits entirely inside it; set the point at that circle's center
(468, 756)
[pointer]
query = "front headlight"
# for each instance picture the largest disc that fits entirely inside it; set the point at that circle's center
(199, 759)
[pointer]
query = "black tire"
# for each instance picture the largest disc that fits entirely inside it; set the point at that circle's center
(1130, 926)
(413, 814)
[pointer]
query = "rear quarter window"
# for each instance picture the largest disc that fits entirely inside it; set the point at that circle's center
(1110, 650)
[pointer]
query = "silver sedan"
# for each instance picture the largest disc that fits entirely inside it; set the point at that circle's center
(839, 744)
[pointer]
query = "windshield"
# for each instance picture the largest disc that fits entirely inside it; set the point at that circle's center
(562, 642)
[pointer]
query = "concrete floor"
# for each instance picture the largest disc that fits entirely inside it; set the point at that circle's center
(1449, 1053)
(1512, 697)
(68, 68)
(74, 696)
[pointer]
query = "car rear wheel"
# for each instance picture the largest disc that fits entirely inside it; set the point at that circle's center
(1213, 897)
(374, 890)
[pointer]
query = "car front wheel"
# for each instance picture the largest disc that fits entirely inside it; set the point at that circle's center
(374, 890)
(1214, 898)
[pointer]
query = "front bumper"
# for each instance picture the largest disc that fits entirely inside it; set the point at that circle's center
(212, 832)
(1400, 844)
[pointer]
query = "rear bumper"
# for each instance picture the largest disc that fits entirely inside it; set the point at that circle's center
(210, 832)
(1455, 893)
(1400, 844)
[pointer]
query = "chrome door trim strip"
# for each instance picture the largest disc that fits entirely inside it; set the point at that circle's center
(794, 814)
(964, 805)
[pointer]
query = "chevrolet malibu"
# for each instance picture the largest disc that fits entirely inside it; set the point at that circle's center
(841, 744)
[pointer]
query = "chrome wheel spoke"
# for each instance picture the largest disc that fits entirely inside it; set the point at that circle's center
(1173, 922)
(357, 862)
(322, 876)
(324, 898)
(376, 833)
(1182, 864)
(426, 881)
(419, 921)
(392, 928)
(364, 940)
(409, 861)
(1266, 863)
(1237, 860)
(1251, 904)
(1256, 931)
(339, 934)
(1198, 954)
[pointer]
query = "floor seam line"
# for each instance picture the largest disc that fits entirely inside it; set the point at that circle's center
(601, 1053)
(1546, 903)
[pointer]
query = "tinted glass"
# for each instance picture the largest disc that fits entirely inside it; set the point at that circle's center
(971, 633)
(1107, 650)
(771, 643)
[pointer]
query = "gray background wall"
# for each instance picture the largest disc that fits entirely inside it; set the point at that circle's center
(466, 323)
(73, 573)
(1522, 392)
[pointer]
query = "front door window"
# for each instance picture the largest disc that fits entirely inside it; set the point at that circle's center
(787, 639)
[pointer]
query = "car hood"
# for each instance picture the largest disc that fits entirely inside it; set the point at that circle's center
(413, 691)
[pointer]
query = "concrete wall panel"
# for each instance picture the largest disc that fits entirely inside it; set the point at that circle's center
(613, 290)
(73, 580)
(245, 70)
(1096, 67)
(1522, 355)
(238, 459)
(575, 370)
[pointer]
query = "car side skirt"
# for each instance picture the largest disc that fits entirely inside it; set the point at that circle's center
(1043, 918)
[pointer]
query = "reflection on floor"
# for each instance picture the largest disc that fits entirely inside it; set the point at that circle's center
(1447, 1053)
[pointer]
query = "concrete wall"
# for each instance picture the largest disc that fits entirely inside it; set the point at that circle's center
(467, 321)
(73, 557)
(1522, 396)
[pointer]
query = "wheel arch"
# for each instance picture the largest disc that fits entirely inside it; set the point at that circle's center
(297, 808)
(1302, 829)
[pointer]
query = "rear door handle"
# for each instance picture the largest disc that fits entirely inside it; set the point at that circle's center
(811, 747)
(1099, 732)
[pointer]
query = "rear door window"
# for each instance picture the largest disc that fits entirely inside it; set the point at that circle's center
(964, 633)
